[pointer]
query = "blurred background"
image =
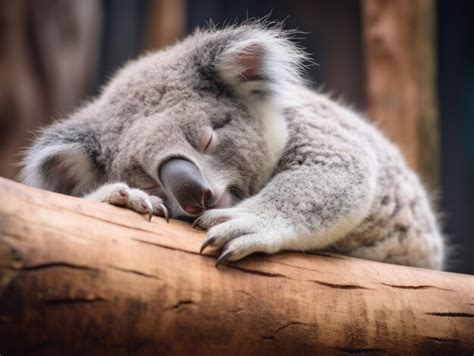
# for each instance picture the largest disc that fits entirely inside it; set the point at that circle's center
(408, 64)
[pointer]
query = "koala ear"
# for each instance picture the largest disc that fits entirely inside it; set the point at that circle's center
(260, 61)
(56, 164)
(241, 65)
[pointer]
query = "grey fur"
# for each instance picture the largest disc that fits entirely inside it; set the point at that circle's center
(300, 172)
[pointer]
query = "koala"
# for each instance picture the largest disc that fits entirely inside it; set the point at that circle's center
(221, 129)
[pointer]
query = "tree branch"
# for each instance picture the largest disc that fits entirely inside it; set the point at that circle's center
(78, 277)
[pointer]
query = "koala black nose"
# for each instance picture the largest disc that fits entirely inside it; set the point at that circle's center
(185, 182)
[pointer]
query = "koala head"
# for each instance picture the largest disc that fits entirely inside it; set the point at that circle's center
(199, 124)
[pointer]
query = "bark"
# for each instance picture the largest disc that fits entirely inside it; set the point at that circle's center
(83, 278)
(401, 91)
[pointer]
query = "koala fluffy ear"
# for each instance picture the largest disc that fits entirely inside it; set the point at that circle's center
(260, 61)
(61, 165)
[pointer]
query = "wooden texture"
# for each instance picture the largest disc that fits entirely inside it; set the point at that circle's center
(78, 277)
(400, 63)
(48, 58)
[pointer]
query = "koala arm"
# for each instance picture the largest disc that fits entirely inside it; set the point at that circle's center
(121, 194)
(66, 158)
(64, 165)
(307, 207)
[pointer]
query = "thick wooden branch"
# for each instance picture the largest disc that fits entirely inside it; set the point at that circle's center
(78, 277)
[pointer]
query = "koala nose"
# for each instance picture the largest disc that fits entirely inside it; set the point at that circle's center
(187, 185)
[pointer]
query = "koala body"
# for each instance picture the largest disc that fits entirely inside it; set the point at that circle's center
(221, 129)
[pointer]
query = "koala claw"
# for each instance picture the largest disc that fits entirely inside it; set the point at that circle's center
(211, 218)
(195, 224)
(206, 243)
(149, 208)
(223, 257)
(164, 211)
(121, 194)
(238, 233)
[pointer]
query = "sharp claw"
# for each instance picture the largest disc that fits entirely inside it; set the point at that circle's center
(150, 210)
(206, 243)
(195, 223)
(164, 211)
(223, 257)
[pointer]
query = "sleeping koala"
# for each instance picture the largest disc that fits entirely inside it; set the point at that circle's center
(220, 129)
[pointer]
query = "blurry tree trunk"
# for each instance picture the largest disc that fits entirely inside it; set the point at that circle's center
(166, 22)
(401, 94)
(48, 56)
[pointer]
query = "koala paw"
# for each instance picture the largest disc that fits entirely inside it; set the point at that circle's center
(238, 233)
(121, 194)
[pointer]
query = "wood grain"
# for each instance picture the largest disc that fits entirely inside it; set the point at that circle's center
(78, 277)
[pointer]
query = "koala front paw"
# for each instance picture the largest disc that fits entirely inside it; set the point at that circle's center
(238, 233)
(121, 194)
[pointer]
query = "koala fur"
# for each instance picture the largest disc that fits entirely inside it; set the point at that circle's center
(290, 168)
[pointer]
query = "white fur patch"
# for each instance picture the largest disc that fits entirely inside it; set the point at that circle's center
(276, 134)
(274, 63)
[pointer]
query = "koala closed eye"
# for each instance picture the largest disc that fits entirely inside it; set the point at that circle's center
(210, 142)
